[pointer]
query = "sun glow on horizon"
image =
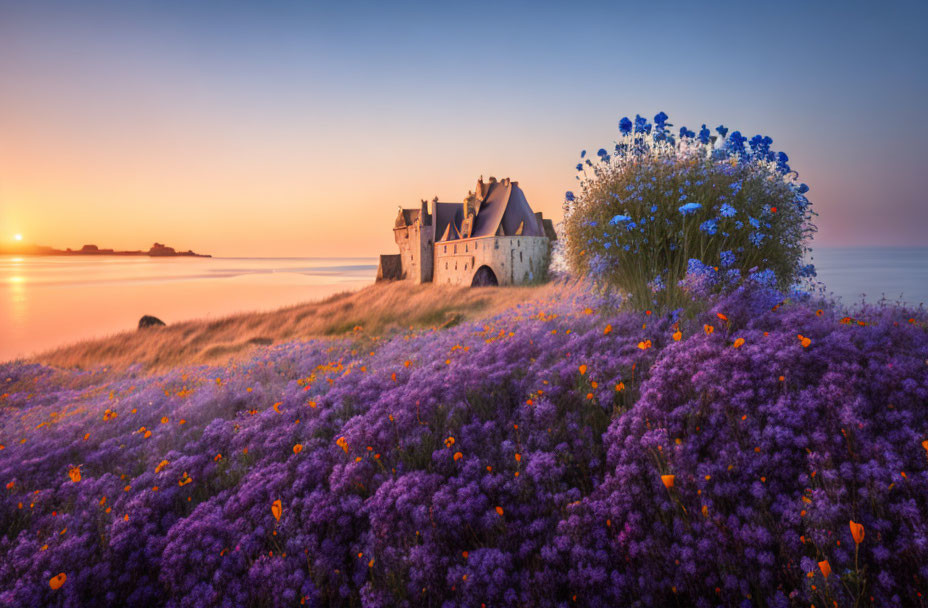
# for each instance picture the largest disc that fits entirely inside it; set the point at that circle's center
(17, 237)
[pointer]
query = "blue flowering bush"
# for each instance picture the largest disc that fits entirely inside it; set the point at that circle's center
(659, 206)
(566, 452)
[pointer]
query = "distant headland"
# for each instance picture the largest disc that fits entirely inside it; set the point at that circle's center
(158, 250)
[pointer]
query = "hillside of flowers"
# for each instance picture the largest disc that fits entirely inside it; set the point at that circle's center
(568, 452)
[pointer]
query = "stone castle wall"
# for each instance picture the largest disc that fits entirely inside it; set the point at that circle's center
(513, 259)
(415, 243)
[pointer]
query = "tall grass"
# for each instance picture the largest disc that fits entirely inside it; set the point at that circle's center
(376, 309)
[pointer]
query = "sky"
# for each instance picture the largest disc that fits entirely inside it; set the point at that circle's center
(298, 128)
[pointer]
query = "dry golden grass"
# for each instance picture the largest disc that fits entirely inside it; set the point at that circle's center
(377, 309)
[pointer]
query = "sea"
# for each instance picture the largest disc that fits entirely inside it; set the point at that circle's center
(50, 301)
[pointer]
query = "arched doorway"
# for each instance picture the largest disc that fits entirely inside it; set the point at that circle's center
(484, 277)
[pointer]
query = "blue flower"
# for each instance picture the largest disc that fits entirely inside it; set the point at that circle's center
(803, 188)
(582, 153)
(753, 222)
(723, 130)
(727, 258)
(618, 219)
(756, 238)
(807, 270)
(736, 143)
(727, 210)
(689, 208)
(684, 132)
(660, 118)
(710, 227)
(602, 152)
(579, 166)
(569, 196)
(766, 278)
(642, 125)
(631, 226)
(625, 126)
(735, 187)
(782, 162)
(704, 135)
(653, 208)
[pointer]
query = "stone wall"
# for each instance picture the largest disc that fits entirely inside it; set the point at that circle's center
(415, 243)
(515, 260)
(390, 268)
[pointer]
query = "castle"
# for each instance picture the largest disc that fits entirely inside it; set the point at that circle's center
(492, 238)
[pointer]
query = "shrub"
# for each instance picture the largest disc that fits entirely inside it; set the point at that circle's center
(660, 206)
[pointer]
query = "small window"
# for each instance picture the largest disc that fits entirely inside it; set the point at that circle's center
(495, 244)
(520, 256)
(465, 248)
(446, 265)
(446, 249)
(455, 248)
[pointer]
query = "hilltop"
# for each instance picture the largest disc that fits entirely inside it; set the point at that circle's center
(373, 310)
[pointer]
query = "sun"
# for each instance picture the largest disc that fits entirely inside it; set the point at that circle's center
(18, 237)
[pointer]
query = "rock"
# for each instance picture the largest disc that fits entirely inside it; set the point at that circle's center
(150, 321)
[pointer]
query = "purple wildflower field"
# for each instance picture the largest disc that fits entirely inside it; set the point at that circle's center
(564, 453)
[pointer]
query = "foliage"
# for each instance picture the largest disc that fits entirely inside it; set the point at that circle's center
(560, 453)
(657, 201)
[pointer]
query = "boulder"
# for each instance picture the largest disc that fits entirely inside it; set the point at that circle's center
(150, 321)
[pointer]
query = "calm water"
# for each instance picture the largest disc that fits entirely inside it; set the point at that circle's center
(898, 273)
(50, 301)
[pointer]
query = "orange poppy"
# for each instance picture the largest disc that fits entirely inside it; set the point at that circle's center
(342, 443)
(499, 511)
(804, 341)
(57, 581)
(75, 474)
(925, 445)
(668, 480)
(298, 448)
(677, 335)
(277, 509)
(621, 387)
(449, 442)
(645, 345)
(708, 329)
(738, 343)
(721, 316)
(518, 457)
(857, 531)
(458, 456)
(825, 567)
(607, 330)
(582, 369)
(277, 406)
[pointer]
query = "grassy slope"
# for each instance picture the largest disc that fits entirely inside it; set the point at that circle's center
(377, 309)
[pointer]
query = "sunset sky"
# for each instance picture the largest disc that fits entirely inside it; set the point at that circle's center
(297, 128)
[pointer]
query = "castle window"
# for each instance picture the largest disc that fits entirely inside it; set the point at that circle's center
(446, 249)
(465, 248)
(495, 244)
(446, 265)
(520, 256)
(455, 248)
(465, 266)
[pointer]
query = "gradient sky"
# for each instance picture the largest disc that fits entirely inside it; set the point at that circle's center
(296, 128)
